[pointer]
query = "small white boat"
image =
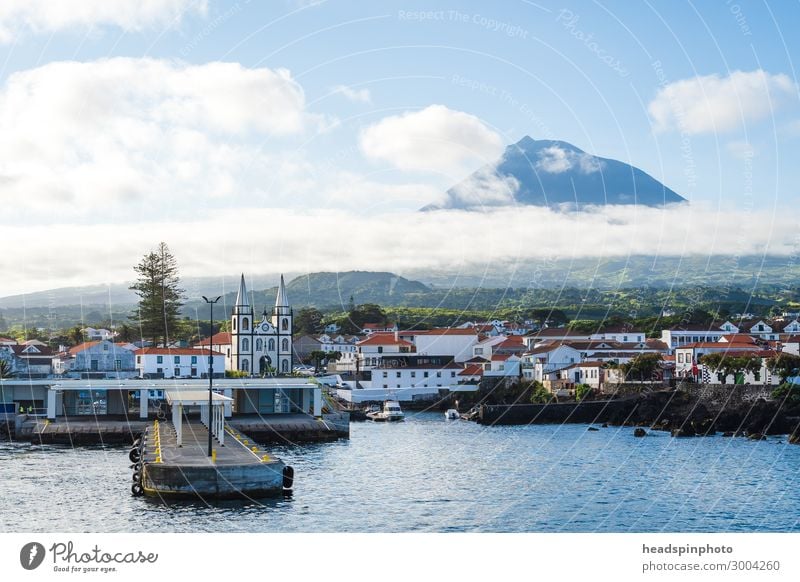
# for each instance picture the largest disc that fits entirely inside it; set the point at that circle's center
(390, 413)
(452, 414)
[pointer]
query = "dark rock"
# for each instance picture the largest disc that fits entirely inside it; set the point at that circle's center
(639, 432)
(727, 433)
(756, 436)
(593, 429)
(685, 431)
(605, 425)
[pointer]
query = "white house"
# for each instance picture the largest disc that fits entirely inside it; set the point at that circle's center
(92, 334)
(177, 363)
(678, 336)
(455, 342)
(96, 357)
(543, 360)
(416, 372)
(688, 362)
(376, 346)
(220, 343)
(589, 373)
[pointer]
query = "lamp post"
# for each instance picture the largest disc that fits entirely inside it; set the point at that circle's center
(211, 303)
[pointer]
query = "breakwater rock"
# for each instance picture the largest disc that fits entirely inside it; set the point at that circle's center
(681, 412)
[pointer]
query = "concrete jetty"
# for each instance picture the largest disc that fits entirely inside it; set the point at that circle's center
(238, 469)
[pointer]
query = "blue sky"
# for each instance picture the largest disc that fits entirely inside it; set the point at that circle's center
(184, 113)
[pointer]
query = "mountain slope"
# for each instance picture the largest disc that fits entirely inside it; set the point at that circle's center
(556, 174)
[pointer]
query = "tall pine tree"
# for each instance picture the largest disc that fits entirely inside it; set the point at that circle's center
(160, 297)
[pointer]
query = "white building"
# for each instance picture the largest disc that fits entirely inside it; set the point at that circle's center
(96, 357)
(678, 336)
(261, 348)
(379, 345)
(543, 361)
(177, 363)
(92, 334)
(455, 342)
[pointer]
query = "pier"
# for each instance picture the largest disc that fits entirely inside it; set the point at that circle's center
(171, 460)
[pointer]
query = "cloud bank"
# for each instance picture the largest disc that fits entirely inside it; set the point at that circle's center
(713, 103)
(220, 243)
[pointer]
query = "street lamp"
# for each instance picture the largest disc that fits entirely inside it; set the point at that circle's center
(211, 303)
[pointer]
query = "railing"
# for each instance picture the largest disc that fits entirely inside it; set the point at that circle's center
(217, 421)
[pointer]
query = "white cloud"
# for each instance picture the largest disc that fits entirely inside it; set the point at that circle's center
(713, 103)
(82, 137)
(485, 188)
(555, 160)
(435, 139)
(46, 16)
(355, 95)
(336, 239)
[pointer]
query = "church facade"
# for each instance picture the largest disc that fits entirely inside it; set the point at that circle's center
(261, 348)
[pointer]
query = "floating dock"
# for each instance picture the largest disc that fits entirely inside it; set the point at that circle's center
(171, 459)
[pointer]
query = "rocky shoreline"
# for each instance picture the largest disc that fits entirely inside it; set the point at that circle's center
(681, 412)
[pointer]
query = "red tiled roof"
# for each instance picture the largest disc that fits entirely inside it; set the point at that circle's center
(383, 339)
(442, 331)
(80, 347)
(221, 338)
(737, 338)
(472, 370)
(718, 345)
(175, 352)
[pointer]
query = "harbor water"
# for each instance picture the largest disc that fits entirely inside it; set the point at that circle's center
(431, 475)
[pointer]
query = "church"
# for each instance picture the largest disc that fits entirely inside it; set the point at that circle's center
(261, 348)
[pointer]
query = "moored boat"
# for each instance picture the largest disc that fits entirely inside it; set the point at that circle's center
(390, 412)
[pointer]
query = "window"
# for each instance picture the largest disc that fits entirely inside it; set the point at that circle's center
(245, 365)
(194, 360)
(285, 324)
(194, 372)
(624, 338)
(285, 345)
(413, 374)
(234, 324)
(452, 374)
(138, 359)
(285, 366)
(245, 345)
(398, 374)
(117, 365)
(385, 375)
(177, 371)
(380, 349)
(259, 345)
(105, 347)
(94, 365)
(680, 358)
(245, 324)
(159, 370)
(438, 374)
(159, 359)
(385, 385)
(478, 351)
(177, 359)
(272, 345)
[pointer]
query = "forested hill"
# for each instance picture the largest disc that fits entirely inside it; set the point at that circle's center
(332, 291)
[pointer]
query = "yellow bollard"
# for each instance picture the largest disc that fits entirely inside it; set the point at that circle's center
(247, 442)
(213, 456)
(254, 449)
(265, 459)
